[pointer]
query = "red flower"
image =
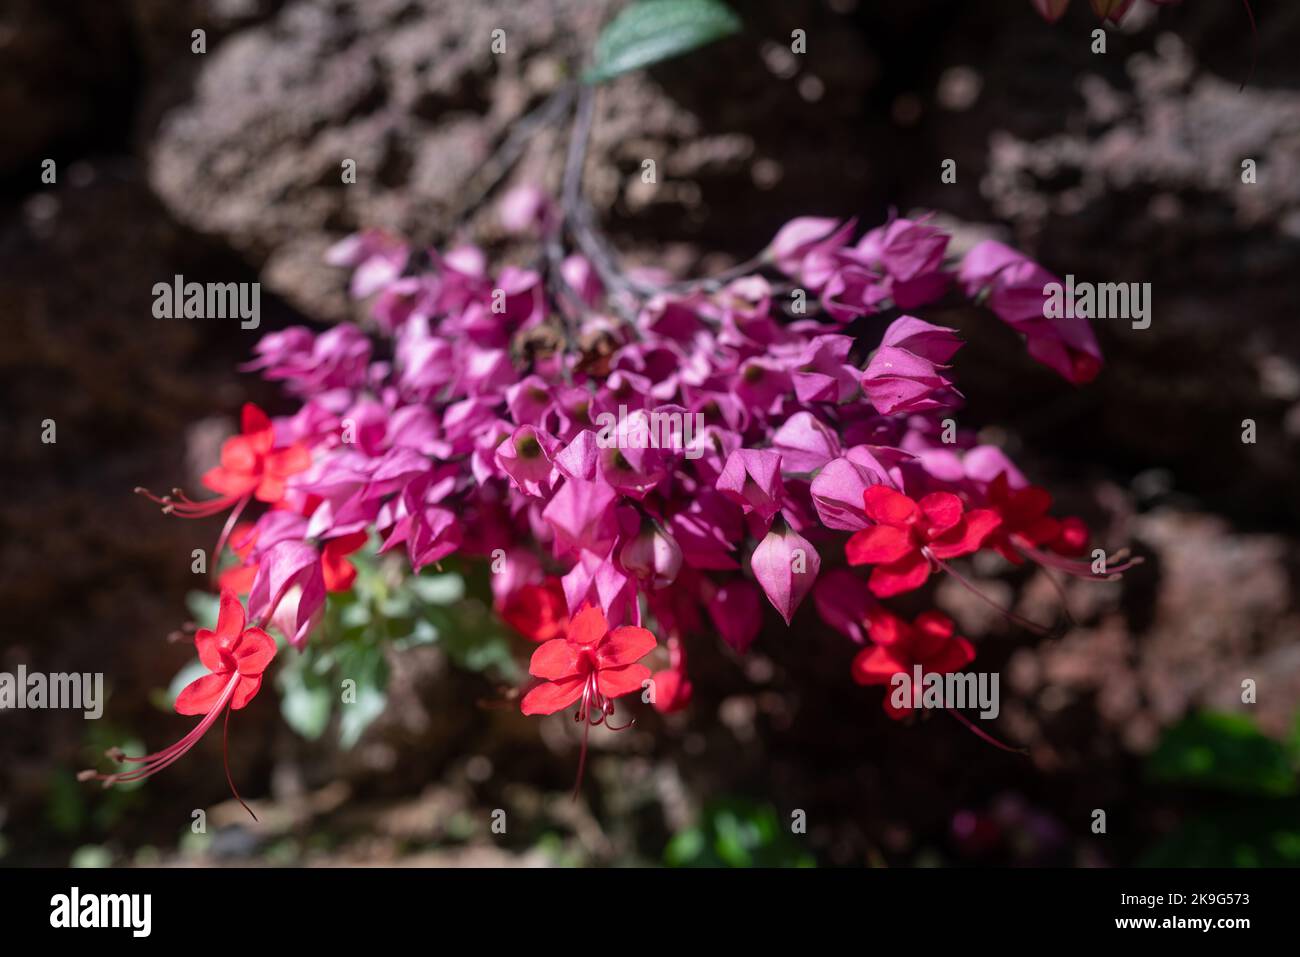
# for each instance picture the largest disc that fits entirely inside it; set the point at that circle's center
(538, 612)
(929, 642)
(239, 578)
(250, 463)
(236, 657)
(251, 467)
(1026, 524)
(591, 663)
(338, 572)
(673, 690)
(910, 537)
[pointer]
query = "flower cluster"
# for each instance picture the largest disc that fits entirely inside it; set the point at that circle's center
(638, 457)
(1110, 11)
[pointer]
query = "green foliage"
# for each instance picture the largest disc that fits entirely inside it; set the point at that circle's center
(1225, 752)
(736, 832)
(1228, 754)
(343, 671)
(1262, 834)
(651, 31)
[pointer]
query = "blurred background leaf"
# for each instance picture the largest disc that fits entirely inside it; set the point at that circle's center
(656, 30)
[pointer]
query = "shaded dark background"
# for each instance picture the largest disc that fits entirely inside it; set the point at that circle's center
(1123, 167)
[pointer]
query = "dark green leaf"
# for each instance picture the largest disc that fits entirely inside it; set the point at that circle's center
(655, 30)
(1225, 752)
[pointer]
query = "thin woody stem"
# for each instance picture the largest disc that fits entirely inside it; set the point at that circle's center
(511, 149)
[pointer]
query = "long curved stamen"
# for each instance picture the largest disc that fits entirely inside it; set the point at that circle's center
(1042, 631)
(1059, 588)
(1079, 569)
(584, 714)
(225, 761)
(151, 764)
(984, 735)
(178, 503)
(620, 727)
(225, 534)
(1254, 45)
(593, 711)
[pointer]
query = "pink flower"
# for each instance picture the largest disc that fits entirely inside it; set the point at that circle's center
(786, 565)
(737, 613)
(1016, 290)
(752, 479)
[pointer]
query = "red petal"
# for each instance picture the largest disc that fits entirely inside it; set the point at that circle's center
(1040, 531)
(552, 696)
(942, 511)
(537, 612)
(1033, 501)
(898, 577)
(876, 666)
(886, 629)
(878, 545)
(1074, 537)
(253, 420)
(239, 455)
(956, 655)
(932, 632)
(239, 580)
(210, 649)
(588, 625)
(556, 658)
(622, 646)
(999, 488)
(269, 490)
(888, 507)
(967, 535)
(225, 482)
(288, 461)
(335, 568)
(230, 619)
(254, 652)
(245, 690)
(202, 694)
(612, 682)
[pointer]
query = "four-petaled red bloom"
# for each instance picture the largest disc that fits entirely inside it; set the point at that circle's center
(250, 462)
(236, 656)
(909, 537)
(538, 612)
(1026, 524)
(591, 663)
(929, 641)
(251, 468)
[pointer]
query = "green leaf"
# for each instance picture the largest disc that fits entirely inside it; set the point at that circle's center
(445, 589)
(655, 30)
(1261, 833)
(365, 665)
(736, 832)
(1225, 752)
(306, 710)
(304, 697)
(203, 607)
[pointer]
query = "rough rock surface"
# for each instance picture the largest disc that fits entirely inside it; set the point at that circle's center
(413, 94)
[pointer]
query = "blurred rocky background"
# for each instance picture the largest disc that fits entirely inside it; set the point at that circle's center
(224, 165)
